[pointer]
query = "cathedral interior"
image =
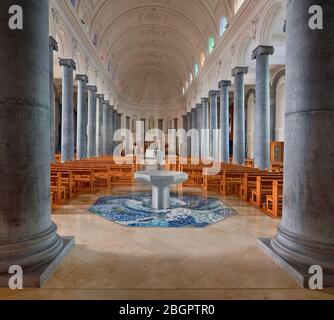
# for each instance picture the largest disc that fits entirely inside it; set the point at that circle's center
(166, 149)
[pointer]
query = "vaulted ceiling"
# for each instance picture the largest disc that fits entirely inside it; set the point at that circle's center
(151, 46)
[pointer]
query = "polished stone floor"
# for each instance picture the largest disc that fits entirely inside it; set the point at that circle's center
(221, 261)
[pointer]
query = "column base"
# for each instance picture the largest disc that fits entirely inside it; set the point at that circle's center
(37, 277)
(296, 272)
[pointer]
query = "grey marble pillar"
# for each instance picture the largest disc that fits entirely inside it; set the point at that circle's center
(91, 146)
(206, 127)
(53, 46)
(199, 114)
(115, 143)
(188, 136)
(194, 142)
(82, 117)
(239, 138)
(106, 128)
(213, 94)
(112, 129)
(67, 129)
(225, 120)
(28, 236)
(306, 234)
(262, 108)
(99, 124)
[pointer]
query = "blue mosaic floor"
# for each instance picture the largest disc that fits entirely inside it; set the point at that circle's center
(134, 210)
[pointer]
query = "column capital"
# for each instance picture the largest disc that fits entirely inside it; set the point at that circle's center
(214, 93)
(81, 77)
(204, 100)
(198, 105)
(239, 70)
(53, 44)
(68, 63)
(224, 83)
(262, 50)
(92, 88)
(100, 96)
(107, 102)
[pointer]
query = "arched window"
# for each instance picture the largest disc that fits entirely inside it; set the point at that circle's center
(202, 59)
(183, 91)
(196, 69)
(191, 77)
(223, 25)
(211, 44)
(187, 84)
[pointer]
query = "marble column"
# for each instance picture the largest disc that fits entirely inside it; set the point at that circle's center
(28, 236)
(213, 94)
(106, 128)
(239, 139)
(306, 235)
(82, 117)
(262, 109)
(194, 142)
(188, 136)
(225, 120)
(67, 129)
(53, 46)
(91, 146)
(112, 129)
(99, 124)
(206, 127)
(199, 125)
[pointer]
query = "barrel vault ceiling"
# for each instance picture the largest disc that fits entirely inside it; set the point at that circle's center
(152, 45)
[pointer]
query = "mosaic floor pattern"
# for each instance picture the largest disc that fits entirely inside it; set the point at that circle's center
(189, 211)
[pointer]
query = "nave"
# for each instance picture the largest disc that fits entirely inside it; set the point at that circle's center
(151, 151)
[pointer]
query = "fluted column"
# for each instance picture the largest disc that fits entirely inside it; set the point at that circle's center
(239, 139)
(213, 94)
(306, 235)
(67, 132)
(262, 108)
(28, 236)
(82, 117)
(99, 124)
(106, 128)
(225, 120)
(53, 46)
(206, 127)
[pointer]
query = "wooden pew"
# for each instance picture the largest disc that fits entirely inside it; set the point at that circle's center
(231, 181)
(264, 187)
(248, 183)
(275, 201)
(196, 177)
